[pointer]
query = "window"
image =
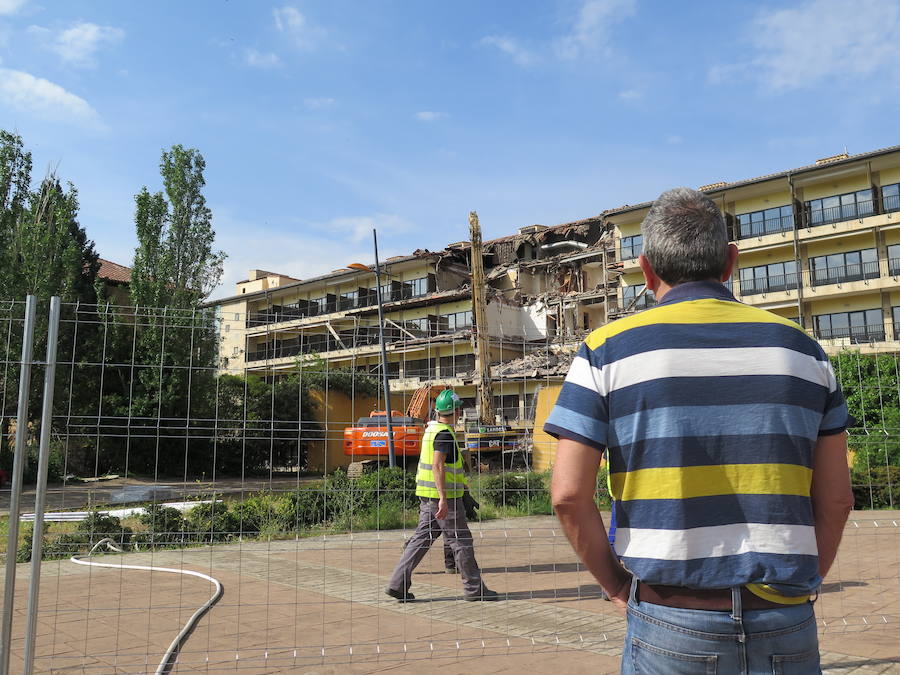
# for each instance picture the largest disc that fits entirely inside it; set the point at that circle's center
(507, 406)
(349, 300)
(842, 267)
(418, 287)
(890, 197)
(419, 368)
(862, 326)
(450, 323)
(769, 221)
(895, 317)
(631, 247)
(839, 207)
(629, 293)
(418, 327)
(769, 278)
(458, 364)
(893, 252)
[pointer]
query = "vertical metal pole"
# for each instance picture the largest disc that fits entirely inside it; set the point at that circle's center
(12, 538)
(41, 492)
(392, 457)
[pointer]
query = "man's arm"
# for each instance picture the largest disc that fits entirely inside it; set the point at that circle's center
(572, 489)
(437, 468)
(832, 496)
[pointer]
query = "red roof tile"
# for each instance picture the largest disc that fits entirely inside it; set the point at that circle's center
(114, 272)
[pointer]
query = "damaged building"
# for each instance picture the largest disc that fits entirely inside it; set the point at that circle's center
(546, 287)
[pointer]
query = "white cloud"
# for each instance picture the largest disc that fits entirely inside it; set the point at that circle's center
(593, 25)
(631, 95)
(430, 115)
(302, 32)
(821, 40)
(11, 6)
(257, 59)
(27, 93)
(511, 47)
(325, 247)
(358, 229)
(319, 103)
(78, 44)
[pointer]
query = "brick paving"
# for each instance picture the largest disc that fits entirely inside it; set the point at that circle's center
(317, 605)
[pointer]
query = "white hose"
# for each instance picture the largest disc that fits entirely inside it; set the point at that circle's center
(168, 660)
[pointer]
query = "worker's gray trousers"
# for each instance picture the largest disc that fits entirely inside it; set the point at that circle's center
(456, 533)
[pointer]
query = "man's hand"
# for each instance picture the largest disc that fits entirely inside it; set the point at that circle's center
(442, 509)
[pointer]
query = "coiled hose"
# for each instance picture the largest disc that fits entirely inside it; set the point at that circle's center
(168, 661)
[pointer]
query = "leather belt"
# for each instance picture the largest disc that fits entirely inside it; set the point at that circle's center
(711, 599)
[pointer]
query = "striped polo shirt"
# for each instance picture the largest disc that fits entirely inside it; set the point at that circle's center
(710, 410)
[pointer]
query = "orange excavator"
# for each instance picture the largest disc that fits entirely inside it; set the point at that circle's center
(367, 442)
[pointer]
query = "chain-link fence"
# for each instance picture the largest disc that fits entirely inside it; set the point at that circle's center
(253, 496)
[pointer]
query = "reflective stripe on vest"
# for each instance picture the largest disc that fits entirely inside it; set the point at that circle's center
(454, 477)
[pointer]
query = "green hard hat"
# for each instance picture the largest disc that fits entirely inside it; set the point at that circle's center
(447, 401)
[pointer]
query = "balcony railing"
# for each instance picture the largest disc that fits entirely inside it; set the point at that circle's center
(772, 284)
(822, 276)
(856, 334)
(890, 203)
(894, 266)
(767, 226)
(836, 214)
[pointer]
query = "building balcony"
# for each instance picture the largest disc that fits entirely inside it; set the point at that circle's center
(765, 227)
(845, 273)
(837, 214)
(854, 334)
(772, 284)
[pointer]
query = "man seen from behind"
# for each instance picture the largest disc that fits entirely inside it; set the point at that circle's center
(724, 426)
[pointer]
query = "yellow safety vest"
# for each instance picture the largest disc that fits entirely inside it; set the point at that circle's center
(454, 476)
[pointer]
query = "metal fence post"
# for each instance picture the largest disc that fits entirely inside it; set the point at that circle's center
(41, 491)
(12, 539)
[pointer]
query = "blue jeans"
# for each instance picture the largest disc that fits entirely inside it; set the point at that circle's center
(670, 641)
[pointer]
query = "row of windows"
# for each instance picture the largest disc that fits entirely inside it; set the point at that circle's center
(836, 208)
(362, 297)
(362, 336)
(825, 269)
(832, 209)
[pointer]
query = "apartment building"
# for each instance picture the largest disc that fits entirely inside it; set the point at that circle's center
(546, 287)
(819, 245)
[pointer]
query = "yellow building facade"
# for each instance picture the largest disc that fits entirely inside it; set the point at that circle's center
(819, 245)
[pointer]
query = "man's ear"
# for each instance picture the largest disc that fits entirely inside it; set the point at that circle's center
(731, 264)
(650, 277)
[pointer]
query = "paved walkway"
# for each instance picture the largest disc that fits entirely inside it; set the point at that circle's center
(317, 605)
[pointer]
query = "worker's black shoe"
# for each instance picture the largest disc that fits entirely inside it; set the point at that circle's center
(486, 595)
(451, 570)
(400, 596)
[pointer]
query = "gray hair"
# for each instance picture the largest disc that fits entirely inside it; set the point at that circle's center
(685, 237)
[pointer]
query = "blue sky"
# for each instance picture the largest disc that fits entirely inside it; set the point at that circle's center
(320, 120)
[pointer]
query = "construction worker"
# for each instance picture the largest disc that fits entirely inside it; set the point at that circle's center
(440, 485)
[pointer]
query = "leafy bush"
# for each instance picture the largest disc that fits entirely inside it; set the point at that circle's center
(166, 526)
(87, 533)
(266, 513)
(384, 486)
(602, 496)
(55, 464)
(515, 489)
(307, 506)
(876, 488)
(213, 522)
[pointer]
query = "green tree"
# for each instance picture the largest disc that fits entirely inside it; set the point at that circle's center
(172, 336)
(175, 264)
